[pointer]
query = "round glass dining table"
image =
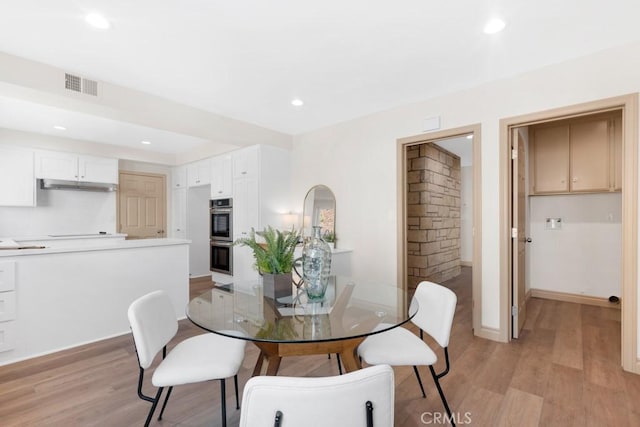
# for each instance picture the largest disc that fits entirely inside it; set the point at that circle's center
(290, 325)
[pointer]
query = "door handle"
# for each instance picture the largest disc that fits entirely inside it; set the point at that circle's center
(528, 239)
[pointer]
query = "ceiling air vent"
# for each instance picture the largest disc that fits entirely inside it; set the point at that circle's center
(90, 87)
(79, 84)
(72, 82)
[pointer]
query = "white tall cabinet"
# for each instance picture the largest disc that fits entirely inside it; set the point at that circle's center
(179, 213)
(17, 182)
(221, 177)
(261, 181)
(257, 178)
(178, 227)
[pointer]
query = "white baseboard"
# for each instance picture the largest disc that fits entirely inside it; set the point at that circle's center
(489, 333)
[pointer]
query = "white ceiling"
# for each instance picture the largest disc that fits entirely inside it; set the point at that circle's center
(247, 59)
(32, 117)
(461, 146)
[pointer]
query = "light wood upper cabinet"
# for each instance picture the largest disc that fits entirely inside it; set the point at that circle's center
(550, 157)
(590, 156)
(74, 167)
(576, 156)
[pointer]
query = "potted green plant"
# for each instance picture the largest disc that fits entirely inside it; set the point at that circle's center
(330, 238)
(274, 258)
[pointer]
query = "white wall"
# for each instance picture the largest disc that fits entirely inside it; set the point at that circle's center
(61, 212)
(46, 142)
(466, 214)
(64, 211)
(584, 257)
(357, 159)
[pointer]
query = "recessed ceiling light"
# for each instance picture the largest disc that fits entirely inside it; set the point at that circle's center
(58, 127)
(97, 21)
(297, 102)
(145, 142)
(494, 26)
(470, 136)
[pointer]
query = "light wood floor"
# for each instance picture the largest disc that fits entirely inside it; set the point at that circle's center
(564, 371)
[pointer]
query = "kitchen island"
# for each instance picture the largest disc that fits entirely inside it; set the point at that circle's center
(66, 295)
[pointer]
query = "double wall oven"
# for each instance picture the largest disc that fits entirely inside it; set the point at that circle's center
(221, 235)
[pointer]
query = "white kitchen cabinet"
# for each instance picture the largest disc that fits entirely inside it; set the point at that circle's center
(246, 162)
(260, 198)
(60, 292)
(245, 216)
(199, 173)
(17, 180)
(74, 167)
(8, 336)
(246, 206)
(179, 177)
(7, 305)
(221, 186)
(179, 213)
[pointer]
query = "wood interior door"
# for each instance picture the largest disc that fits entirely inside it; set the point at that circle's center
(142, 205)
(519, 240)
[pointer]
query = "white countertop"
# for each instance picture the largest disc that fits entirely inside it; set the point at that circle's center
(65, 237)
(94, 246)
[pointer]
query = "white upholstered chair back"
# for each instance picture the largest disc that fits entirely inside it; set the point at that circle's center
(436, 307)
(153, 323)
(315, 402)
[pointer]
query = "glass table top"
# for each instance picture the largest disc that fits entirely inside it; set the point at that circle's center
(350, 310)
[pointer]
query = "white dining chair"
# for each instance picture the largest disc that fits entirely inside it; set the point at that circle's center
(201, 358)
(436, 306)
(361, 398)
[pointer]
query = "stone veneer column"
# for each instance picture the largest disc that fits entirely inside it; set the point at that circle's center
(433, 214)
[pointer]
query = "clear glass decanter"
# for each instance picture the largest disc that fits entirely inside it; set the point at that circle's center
(316, 266)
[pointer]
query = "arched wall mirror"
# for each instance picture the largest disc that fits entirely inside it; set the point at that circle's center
(319, 210)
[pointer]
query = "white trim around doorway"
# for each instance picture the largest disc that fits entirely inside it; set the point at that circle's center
(402, 144)
(628, 104)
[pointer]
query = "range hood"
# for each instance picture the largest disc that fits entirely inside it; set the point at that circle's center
(58, 184)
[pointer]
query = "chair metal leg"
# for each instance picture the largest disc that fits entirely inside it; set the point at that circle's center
(235, 383)
(223, 402)
(339, 363)
(415, 369)
(153, 407)
(444, 400)
(164, 405)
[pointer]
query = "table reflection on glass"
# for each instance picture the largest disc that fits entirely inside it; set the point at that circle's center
(292, 326)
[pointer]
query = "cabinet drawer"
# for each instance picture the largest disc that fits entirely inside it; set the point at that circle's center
(7, 336)
(7, 306)
(7, 276)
